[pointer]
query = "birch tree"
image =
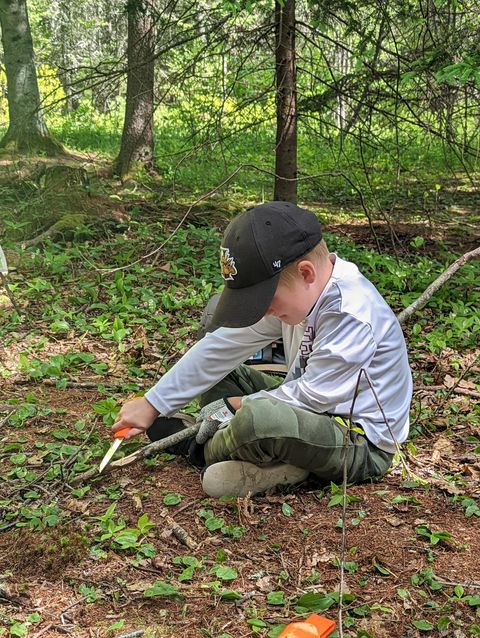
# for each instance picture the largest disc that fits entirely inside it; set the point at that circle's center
(27, 131)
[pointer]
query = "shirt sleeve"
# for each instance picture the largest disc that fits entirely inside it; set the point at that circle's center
(208, 362)
(343, 345)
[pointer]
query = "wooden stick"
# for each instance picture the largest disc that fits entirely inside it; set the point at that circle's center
(144, 452)
(434, 286)
(178, 531)
(435, 388)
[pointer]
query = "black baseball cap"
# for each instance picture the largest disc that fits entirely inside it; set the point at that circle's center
(257, 245)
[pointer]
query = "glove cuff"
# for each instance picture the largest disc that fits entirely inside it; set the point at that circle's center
(229, 405)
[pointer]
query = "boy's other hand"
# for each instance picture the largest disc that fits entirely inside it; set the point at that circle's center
(137, 414)
(212, 416)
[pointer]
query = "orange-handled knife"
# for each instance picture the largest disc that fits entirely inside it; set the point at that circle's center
(118, 436)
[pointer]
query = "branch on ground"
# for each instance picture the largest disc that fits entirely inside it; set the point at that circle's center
(434, 286)
(144, 452)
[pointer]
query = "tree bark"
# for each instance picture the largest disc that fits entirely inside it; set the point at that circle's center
(27, 131)
(137, 143)
(285, 71)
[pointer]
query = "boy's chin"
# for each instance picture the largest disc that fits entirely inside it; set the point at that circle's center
(291, 321)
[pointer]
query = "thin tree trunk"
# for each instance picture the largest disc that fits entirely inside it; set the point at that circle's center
(286, 146)
(27, 131)
(137, 144)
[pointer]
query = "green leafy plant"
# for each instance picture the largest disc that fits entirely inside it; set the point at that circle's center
(214, 523)
(337, 496)
(433, 537)
(162, 589)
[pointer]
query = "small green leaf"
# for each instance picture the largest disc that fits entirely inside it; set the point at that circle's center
(443, 623)
(161, 588)
(316, 602)
(473, 601)
(380, 568)
(458, 591)
(257, 623)
(225, 573)
(187, 574)
(214, 523)
(287, 509)
(145, 524)
(118, 624)
(172, 499)
(18, 459)
(62, 434)
(422, 625)
(229, 594)
(361, 610)
(18, 629)
(276, 598)
(337, 499)
(90, 593)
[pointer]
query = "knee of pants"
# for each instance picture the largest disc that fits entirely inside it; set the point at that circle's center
(264, 419)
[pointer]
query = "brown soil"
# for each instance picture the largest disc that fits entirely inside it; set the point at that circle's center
(43, 570)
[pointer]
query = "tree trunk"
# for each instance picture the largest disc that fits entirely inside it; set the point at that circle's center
(137, 138)
(27, 131)
(286, 146)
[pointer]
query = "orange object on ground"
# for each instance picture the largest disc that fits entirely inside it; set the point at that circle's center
(314, 626)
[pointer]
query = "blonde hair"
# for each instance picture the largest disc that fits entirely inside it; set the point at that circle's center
(319, 256)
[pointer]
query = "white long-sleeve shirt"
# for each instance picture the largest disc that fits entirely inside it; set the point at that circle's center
(350, 327)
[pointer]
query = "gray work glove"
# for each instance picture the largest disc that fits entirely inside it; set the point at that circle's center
(211, 417)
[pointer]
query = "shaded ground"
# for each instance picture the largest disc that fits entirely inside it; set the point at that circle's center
(396, 572)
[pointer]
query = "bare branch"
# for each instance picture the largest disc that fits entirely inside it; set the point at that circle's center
(434, 286)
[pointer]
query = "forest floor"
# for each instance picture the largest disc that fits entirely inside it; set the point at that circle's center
(73, 565)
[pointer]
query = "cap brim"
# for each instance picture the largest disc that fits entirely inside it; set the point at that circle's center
(241, 307)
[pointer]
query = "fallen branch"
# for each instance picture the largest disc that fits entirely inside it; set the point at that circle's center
(132, 634)
(434, 286)
(435, 388)
(143, 452)
(177, 530)
(84, 385)
(6, 408)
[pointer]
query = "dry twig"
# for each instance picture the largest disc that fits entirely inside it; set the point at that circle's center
(179, 532)
(434, 286)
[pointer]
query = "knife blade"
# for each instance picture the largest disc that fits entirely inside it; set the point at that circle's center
(119, 436)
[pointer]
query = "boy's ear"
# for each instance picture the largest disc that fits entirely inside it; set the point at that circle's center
(307, 271)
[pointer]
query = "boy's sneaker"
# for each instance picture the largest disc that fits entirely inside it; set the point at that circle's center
(239, 478)
(166, 426)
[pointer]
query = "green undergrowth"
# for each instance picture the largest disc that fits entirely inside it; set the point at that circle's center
(100, 290)
(124, 319)
(196, 157)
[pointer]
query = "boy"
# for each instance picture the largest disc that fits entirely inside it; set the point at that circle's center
(281, 281)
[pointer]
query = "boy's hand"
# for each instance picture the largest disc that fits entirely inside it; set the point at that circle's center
(212, 416)
(137, 414)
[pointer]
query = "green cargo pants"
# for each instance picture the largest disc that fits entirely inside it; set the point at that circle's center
(267, 431)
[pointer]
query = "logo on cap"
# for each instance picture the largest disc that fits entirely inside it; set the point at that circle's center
(227, 264)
